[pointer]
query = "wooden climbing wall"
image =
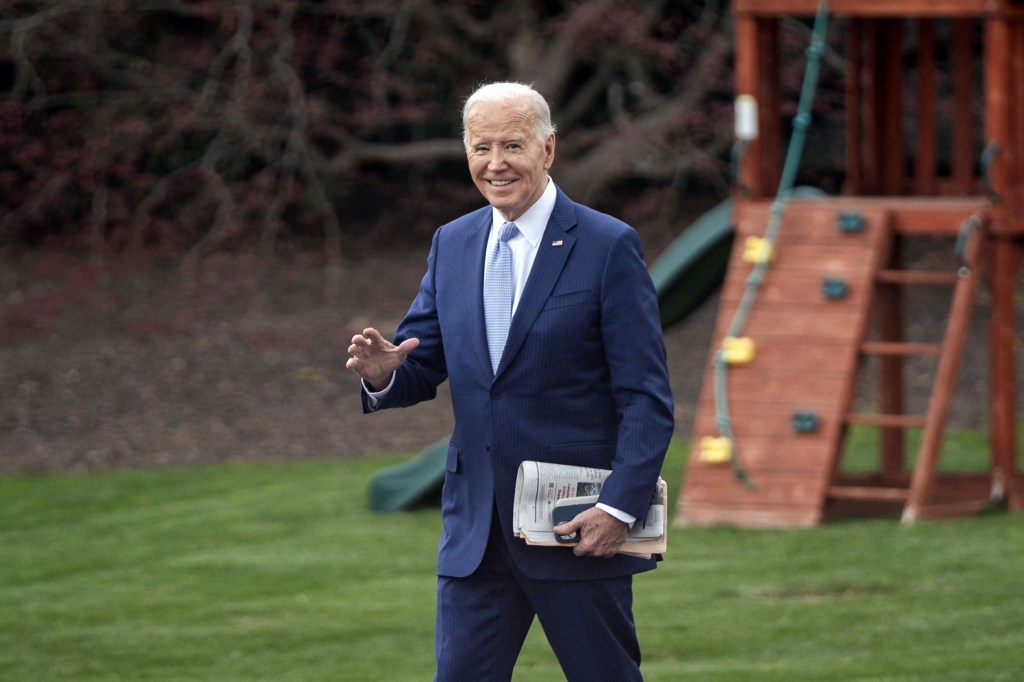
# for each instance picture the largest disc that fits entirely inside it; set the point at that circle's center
(805, 360)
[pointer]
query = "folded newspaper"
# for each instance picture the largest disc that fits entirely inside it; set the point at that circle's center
(542, 486)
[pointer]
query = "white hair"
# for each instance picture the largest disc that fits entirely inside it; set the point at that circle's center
(509, 92)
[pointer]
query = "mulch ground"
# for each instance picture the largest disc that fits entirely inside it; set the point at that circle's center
(102, 369)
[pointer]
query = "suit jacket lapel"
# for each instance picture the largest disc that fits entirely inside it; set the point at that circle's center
(473, 287)
(553, 251)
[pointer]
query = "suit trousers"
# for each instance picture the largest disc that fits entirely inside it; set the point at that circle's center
(483, 620)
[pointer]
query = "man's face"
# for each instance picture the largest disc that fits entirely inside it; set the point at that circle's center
(508, 163)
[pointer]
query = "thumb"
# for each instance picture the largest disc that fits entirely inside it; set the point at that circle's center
(564, 528)
(409, 345)
(569, 527)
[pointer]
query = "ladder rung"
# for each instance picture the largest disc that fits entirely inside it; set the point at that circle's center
(900, 348)
(916, 277)
(863, 493)
(893, 420)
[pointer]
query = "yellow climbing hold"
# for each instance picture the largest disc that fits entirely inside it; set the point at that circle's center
(737, 351)
(758, 250)
(715, 450)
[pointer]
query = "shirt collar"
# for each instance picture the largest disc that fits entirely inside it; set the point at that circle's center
(532, 223)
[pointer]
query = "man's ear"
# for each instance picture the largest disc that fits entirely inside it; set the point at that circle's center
(549, 151)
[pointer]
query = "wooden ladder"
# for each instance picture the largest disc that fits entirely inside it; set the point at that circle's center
(917, 493)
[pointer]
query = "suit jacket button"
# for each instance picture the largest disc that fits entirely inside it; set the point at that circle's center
(495, 394)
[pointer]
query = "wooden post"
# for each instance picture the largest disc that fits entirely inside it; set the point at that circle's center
(891, 110)
(747, 69)
(872, 102)
(886, 115)
(854, 184)
(963, 94)
(892, 400)
(771, 99)
(757, 75)
(924, 167)
(1006, 258)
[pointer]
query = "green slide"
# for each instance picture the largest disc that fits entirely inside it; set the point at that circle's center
(693, 266)
(687, 273)
(410, 484)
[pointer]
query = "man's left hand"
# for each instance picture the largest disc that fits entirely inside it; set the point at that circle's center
(600, 533)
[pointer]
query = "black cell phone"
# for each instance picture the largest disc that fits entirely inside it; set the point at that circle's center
(566, 510)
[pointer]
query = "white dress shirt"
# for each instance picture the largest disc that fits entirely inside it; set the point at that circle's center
(524, 245)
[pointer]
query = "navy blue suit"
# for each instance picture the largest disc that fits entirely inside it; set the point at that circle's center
(583, 381)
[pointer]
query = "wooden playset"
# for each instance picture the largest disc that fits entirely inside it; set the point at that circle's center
(934, 148)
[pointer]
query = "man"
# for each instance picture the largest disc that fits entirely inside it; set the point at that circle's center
(573, 373)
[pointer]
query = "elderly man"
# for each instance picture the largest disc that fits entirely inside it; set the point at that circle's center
(540, 313)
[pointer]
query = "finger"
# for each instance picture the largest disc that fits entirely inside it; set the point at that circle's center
(372, 336)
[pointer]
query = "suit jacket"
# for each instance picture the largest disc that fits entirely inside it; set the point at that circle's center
(583, 380)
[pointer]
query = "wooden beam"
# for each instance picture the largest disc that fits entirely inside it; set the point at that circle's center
(872, 148)
(911, 215)
(997, 102)
(891, 110)
(747, 72)
(770, 94)
(867, 493)
(892, 400)
(1015, 150)
(904, 349)
(888, 421)
(881, 8)
(1005, 269)
(924, 167)
(925, 277)
(854, 183)
(953, 344)
(964, 154)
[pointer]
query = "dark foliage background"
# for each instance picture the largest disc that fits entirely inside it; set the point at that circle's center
(180, 129)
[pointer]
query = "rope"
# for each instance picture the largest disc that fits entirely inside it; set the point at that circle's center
(789, 169)
(988, 157)
(963, 236)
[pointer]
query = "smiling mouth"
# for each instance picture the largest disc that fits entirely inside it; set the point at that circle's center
(499, 183)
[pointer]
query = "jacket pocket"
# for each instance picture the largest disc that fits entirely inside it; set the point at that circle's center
(563, 300)
(451, 463)
(597, 454)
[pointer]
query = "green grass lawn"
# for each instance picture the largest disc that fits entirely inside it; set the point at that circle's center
(276, 571)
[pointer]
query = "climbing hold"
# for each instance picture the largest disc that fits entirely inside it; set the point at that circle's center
(850, 222)
(834, 288)
(805, 421)
(737, 351)
(758, 250)
(715, 450)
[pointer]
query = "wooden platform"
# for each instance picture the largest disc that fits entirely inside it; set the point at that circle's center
(808, 348)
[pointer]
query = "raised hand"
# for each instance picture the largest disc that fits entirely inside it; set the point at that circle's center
(375, 359)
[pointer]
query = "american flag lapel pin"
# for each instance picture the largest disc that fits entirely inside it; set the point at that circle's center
(557, 242)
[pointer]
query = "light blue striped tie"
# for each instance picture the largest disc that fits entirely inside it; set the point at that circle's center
(498, 288)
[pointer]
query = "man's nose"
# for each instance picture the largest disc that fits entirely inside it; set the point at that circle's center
(497, 159)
